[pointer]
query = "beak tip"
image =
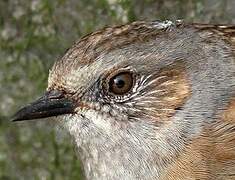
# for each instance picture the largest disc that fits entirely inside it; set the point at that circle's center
(22, 114)
(16, 117)
(14, 120)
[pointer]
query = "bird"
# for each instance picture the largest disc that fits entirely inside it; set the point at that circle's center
(147, 100)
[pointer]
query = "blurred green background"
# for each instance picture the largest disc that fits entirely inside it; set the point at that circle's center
(35, 33)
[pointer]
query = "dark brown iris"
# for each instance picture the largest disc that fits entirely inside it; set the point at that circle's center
(121, 83)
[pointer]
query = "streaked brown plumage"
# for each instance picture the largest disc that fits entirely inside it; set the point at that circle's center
(148, 100)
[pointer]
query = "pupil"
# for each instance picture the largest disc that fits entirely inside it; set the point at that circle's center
(119, 82)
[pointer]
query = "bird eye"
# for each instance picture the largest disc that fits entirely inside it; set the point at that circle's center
(121, 83)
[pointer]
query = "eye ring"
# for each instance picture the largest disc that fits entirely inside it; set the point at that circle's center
(121, 83)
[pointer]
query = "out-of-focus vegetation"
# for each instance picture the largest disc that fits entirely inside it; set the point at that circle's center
(33, 34)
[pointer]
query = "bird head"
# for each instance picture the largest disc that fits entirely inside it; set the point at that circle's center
(138, 85)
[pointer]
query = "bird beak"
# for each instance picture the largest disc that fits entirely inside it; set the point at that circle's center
(53, 103)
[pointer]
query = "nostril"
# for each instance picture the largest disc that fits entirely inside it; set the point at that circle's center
(54, 94)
